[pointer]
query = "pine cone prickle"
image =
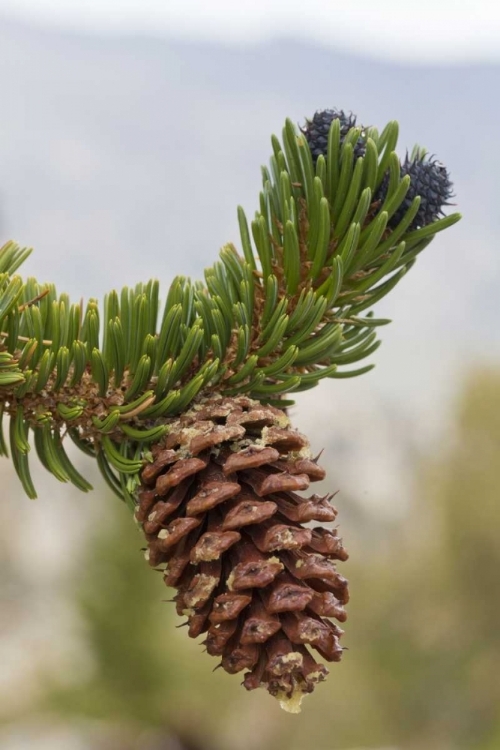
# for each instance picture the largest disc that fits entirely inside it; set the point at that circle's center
(220, 509)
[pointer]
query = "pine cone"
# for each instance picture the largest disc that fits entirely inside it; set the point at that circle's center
(430, 180)
(316, 131)
(219, 506)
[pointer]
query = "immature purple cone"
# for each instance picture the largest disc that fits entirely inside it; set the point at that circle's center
(219, 506)
(429, 180)
(316, 131)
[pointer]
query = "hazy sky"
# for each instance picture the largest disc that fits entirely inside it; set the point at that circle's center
(439, 30)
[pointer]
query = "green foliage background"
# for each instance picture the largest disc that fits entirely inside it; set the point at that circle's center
(423, 629)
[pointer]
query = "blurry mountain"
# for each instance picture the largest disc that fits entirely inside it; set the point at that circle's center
(124, 157)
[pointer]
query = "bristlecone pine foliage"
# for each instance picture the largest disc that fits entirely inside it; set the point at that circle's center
(185, 410)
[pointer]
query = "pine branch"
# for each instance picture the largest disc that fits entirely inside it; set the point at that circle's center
(322, 249)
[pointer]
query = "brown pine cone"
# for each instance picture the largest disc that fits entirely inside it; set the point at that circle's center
(219, 507)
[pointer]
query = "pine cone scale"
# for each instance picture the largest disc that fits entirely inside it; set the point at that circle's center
(247, 512)
(260, 624)
(288, 597)
(168, 537)
(211, 545)
(254, 574)
(274, 537)
(228, 606)
(183, 469)
(211, 495)
(250, 458)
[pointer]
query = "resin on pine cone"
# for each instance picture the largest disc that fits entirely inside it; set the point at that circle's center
(220, 508)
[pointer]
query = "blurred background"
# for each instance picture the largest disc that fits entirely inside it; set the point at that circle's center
(129, 132)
